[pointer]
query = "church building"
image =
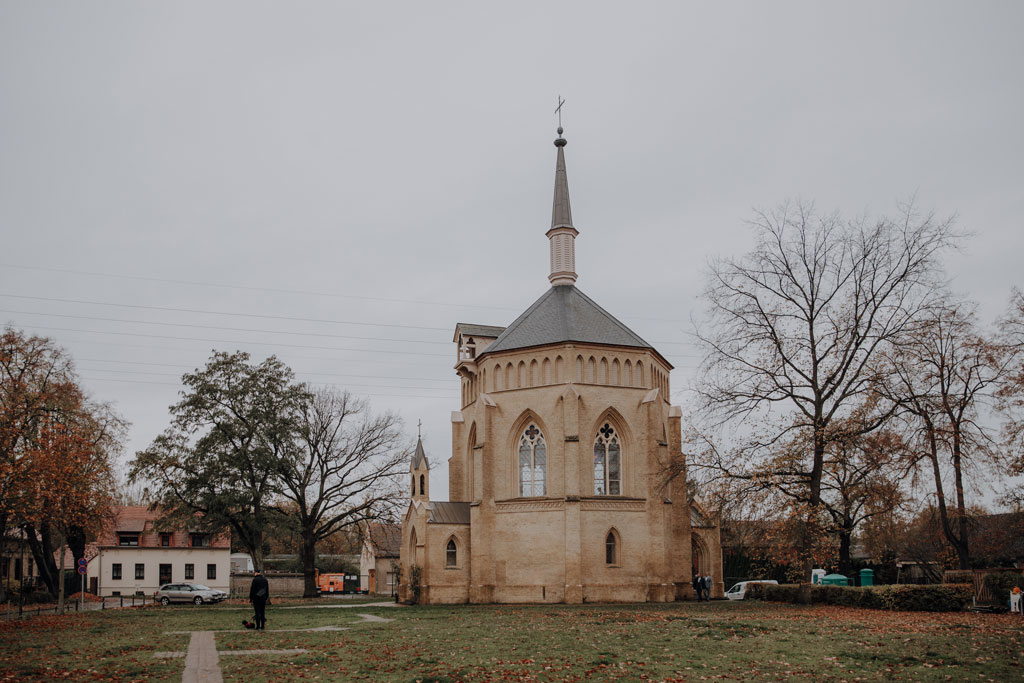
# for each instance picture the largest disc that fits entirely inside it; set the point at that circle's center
(559, 485)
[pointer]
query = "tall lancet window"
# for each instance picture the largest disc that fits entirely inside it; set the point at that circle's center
(533, 460)
(607, 462)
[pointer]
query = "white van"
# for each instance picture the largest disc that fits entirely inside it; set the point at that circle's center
(738, 591)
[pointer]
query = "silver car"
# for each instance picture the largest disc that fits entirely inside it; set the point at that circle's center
(195, 593)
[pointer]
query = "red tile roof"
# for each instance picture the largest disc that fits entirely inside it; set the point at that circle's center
(139, 519)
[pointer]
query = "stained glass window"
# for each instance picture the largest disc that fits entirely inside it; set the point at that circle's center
(533, 458)
(607, 462)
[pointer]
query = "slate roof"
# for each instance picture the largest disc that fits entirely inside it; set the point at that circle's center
(472, 330)
(449, 513)
(386, 539)
(565, 314)
(419, 455)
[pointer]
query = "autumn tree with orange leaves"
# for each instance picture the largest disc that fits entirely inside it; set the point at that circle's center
(56, 446)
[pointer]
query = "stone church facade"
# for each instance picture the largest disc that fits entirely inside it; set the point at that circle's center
(558, 484)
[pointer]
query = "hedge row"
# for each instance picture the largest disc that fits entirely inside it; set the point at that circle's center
(910, 598)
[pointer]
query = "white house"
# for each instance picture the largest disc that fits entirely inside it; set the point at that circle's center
(135, 556)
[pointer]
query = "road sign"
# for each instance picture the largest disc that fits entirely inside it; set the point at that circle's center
(82, 569)
(82, 561)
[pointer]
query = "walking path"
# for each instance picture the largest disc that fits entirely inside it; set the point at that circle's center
(202, 661)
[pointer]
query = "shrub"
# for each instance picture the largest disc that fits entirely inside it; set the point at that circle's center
(907, 598)
(37, 597)
(414, 583)
(1001, 583)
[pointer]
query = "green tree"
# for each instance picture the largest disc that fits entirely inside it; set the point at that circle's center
(234, 432)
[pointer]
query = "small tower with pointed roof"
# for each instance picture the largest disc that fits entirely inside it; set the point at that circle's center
(420, 469)
(562, 235)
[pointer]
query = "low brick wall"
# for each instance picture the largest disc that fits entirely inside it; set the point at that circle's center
(281, 584)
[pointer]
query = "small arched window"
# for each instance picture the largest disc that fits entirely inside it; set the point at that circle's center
(451, 554)
(414, 484)
(533, 459)
(610, 549)
(421, 484)
(607, 462)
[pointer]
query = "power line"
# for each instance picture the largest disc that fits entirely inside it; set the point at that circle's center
(242, 315)
(246, 287)
(171, 374)
(235, 341)
(326, 374)
(220, 327)
(171, 384)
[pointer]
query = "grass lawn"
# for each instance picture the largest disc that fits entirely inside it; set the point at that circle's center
(685, 641)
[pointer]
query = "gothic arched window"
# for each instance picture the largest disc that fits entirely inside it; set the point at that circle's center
(610, 548)
(607, 462)
(421, 484)
(451, 554)
(533, 459)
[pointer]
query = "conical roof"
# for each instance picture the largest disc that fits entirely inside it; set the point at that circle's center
(420, 456)
(565, 314)
(561, 211)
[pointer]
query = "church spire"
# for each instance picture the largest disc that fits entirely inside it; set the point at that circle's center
(562, 235)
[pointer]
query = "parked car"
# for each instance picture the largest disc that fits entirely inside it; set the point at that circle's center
(195, 593)
(738, 591)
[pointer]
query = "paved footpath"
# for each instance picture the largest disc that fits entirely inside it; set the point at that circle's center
(202, 665)
(202, 661)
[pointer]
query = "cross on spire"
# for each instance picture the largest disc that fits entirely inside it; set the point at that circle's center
(558, 110)
(419, 428)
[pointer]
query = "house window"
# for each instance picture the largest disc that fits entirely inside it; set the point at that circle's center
(200, 540)
(211, 571)
(190, 571)
(607, 462)
(532, 462)
(140, 571)
(115, 571)
(451, 554)
(610, 548)
(165, 574)
(127, 539)
(165, 540)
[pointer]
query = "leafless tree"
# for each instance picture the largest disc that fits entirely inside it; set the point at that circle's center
(1011, 392)
(942, 376)
(345, 471)
(795, 325)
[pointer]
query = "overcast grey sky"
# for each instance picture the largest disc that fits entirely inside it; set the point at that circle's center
(388, 167)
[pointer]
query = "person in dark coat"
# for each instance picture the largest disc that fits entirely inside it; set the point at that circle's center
(698, 585)
(259, 594)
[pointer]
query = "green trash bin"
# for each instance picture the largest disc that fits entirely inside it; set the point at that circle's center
(835, 580)
(867, 577)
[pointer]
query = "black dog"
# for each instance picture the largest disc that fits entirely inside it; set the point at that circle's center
(248, 624)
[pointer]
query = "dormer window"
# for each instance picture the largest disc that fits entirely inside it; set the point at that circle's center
(200, 540)
(128, 539)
